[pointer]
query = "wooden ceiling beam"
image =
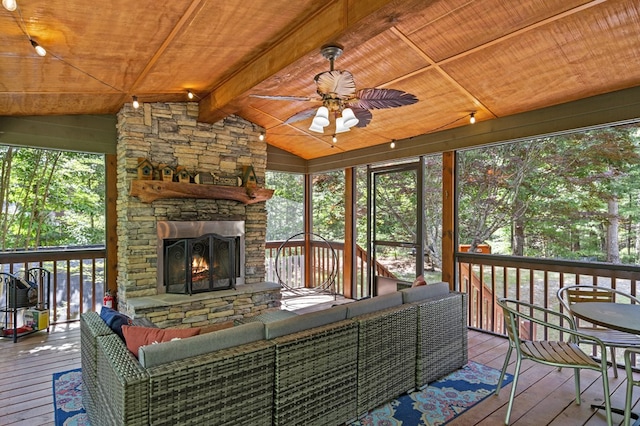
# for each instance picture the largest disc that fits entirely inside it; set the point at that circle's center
(329, 24)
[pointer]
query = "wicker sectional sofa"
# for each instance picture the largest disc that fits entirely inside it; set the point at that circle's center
(321, 368)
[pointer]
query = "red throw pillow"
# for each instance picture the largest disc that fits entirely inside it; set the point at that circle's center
(419, 281)
(142, 336)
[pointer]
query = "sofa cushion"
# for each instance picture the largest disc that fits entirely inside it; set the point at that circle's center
(114, 319)
(150, 356)
(135, 337)
(305, 321)
(374, 304)
(415, 294)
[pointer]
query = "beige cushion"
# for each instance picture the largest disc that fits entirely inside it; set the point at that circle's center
(162, 353)
(374, 304)
(305, 321)
(415, 294)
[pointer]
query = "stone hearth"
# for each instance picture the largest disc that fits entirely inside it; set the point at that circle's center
(169, 133)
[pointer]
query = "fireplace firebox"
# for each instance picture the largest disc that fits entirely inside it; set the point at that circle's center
(200, 256)
(197, 265)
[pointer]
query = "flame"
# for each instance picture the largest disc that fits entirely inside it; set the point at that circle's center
(199, 265)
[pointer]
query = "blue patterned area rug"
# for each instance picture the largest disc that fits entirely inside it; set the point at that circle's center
(441, 401)
(67, 399)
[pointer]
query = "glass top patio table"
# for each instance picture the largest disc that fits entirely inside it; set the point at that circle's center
(616, 316)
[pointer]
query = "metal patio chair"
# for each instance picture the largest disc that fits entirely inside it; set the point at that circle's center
(556, 353)
(613, 339)
(631, 382)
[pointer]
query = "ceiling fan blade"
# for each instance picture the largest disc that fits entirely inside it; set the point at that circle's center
(340, 83)
(282, 98)
(382, 98)
(364, 116)
(302, 115)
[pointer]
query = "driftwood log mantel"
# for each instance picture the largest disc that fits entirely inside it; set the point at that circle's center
(151, 190)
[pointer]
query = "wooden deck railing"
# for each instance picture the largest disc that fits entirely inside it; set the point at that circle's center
(485, 277)
(77, 276)
(291, 265)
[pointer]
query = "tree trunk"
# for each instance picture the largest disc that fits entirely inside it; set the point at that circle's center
(613, 249)
(518, 237)
(5, 179)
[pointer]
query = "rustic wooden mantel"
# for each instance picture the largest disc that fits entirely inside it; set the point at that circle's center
(151, 190)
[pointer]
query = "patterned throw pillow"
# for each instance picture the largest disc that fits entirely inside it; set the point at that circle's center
(419, 281)
(135, 337)
(114, 319)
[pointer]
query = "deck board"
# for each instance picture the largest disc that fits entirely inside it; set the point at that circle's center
(544, 394)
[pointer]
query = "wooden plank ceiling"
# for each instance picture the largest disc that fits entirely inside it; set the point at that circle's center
(491, 57)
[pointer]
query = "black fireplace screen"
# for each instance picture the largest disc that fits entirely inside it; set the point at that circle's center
(197, 265)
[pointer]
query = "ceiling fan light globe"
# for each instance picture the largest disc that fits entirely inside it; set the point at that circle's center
(322, 117)
(10, 5)
(340, 127)
(316, 128)
(319, 122)
(349, 117)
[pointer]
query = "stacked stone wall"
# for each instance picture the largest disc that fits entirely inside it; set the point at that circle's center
(169, 133)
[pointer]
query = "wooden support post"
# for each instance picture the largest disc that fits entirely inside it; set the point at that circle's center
(448, 218)
(111, 262)
(349, 260)
(308, 229)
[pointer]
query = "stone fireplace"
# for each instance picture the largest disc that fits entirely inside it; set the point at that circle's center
(169, 134)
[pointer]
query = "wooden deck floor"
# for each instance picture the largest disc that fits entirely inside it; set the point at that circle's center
(545, 395)
(26, 369)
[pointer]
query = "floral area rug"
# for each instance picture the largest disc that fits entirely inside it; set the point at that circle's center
(67, 399)
(439, 402)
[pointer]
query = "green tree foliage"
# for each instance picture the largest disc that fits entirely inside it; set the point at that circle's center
(328, 205)
(571, 196)
(563, 196)
(51, 198)
(433, 209)
(396, 204)
(285, 210)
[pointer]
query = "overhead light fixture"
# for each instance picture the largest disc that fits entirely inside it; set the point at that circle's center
(344, 122)
(135, 103)
(261, 137)
(321, 120)
(190, 94)
(39, 49)
(334, 139)
(392, 144)
(337, 105)
(472, 118)
(10, 5)
(316, 128)
(350, 119)
(340, 127)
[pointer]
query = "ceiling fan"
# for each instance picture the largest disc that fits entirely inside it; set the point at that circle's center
(338, 95)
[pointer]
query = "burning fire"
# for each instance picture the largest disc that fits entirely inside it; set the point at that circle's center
(199, 265)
